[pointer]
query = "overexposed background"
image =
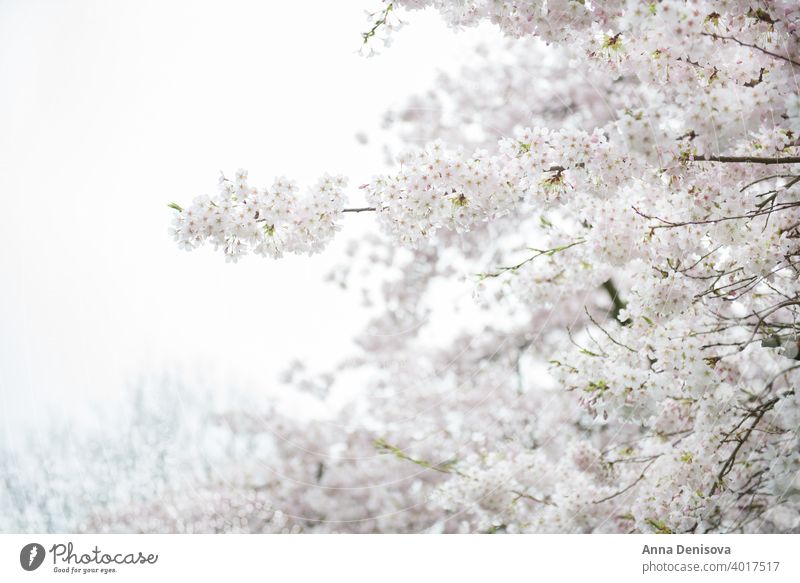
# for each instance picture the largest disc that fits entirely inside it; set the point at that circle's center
(110, 110)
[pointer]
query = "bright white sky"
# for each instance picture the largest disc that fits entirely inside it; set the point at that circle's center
(110, 110)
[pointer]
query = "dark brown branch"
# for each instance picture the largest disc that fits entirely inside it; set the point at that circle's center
(746, 159)
(751, 46)
(757, 415)
(618, 304)
(604, 331)
(631, 485)
(362, 209)
(751, 215)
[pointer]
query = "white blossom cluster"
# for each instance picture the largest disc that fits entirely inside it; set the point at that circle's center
(268, 222)
(435, 189)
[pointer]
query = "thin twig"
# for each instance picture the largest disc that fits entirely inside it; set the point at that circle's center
(362, 209)
(751, 46)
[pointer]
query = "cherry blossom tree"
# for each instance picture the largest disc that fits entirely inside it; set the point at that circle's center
(616, 184)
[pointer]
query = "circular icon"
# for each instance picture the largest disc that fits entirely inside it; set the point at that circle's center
(31, 556)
